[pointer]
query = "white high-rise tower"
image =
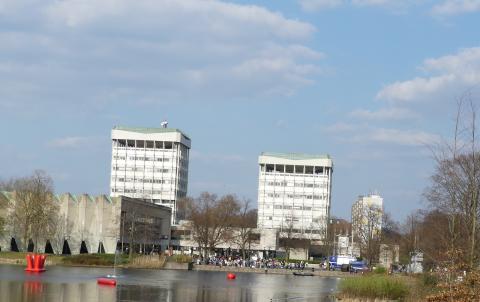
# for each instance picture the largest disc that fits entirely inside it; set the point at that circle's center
(294, 193)
(150, 163)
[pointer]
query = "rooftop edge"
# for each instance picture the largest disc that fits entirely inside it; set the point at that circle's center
(150, 130)
(296, 156)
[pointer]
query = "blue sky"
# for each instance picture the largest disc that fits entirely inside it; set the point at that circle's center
(370, 82)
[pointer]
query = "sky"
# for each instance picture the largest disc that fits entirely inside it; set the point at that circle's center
(373, 83)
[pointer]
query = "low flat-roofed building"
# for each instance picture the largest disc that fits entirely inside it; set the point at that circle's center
(88, 224)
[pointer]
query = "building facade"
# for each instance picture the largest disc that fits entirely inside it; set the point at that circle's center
(150, 163)
(294, 194)
(340, 231)
(93, 224)
(367, 214)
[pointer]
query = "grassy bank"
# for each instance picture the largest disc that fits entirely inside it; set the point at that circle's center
(374, 287)
(138, 261)
(95, 259)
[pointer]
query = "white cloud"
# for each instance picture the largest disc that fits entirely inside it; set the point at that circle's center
(375, 2)
(399, 137)
(455, 72)
(316, 5)
(340, 127)
(365, 133)
(112, 51)
(455, 7)
(384, 114)
(211, 158)
(70, 142)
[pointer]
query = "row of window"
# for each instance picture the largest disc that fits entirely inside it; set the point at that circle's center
(142, 158)
(144, 180)
(293, 169)
(140, 169)
(122, 190)
(294, 184)
(123, 143)
(284, 207)
(297, 196)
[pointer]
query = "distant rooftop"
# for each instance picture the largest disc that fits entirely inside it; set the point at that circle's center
(150, 130)
(296, 156)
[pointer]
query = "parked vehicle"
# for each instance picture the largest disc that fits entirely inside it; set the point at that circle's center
(358, 267)
(336, 262)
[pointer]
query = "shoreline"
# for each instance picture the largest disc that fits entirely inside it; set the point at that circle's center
(195, 267)
(271, 271)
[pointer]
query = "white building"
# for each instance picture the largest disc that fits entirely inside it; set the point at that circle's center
(367, 213)
(294, 193)
(150, 163)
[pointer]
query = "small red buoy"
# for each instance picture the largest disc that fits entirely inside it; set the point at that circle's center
(107, 281)
(231, 276)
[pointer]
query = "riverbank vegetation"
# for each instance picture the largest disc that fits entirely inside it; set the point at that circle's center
(95, 259)
(374, 286)
(379, 286)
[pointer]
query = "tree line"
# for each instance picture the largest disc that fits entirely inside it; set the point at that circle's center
(214, 220)
(33, 213)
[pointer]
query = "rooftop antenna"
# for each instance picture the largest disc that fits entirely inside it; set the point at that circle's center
(164, 124)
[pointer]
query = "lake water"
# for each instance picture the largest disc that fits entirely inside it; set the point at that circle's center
(78, 284)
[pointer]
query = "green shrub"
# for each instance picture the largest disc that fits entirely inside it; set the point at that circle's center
(380, 270)
(95, 259)
(180, 258)
(374, 286)
(429, 280)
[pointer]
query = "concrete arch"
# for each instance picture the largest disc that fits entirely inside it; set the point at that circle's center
(48, 248)
(30, 246)
(101, 248)
(66, 248)
(13, 245)
(83, 248)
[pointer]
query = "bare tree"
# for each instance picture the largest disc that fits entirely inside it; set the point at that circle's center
(245, 222)
(131, 223)
(34, 210)
(211, 219)
(455, 185)
(368, 230)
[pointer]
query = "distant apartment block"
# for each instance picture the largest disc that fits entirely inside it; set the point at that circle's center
(294, 193)
(367, 213)
(150, 163)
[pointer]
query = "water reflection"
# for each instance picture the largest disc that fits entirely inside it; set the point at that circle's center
(79, 285)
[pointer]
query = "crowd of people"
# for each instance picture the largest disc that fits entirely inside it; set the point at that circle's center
(254, 262)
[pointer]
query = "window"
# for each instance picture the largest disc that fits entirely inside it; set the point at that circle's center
(269, 168)
(150, 144)
(131, 143)
(158, 145)
(308, 170)
(299, 169)
(279, 168)
(140, 144)
(318, 170)
(168, 145)
(289, 169)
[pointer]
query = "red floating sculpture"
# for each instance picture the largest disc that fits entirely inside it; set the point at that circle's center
(35, 263)
(106, 281)
(231, 276)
